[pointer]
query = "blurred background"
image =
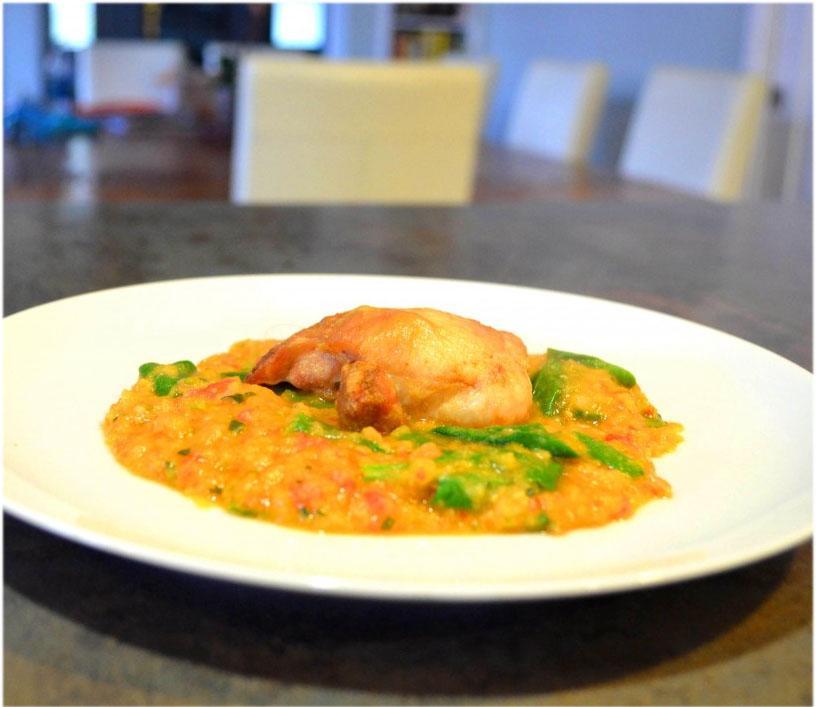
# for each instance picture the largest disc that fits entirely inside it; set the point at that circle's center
(113, 102)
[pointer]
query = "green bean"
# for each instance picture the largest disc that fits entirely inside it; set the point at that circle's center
(370, 444)
(147, 368)
(587, 415)
(460, 491)
(307, 398)
(621, 375)
(378, 472)
(549, 386)
(609, 456)
(543, 474)
(184, 369)
(162, 384)
(532, 436)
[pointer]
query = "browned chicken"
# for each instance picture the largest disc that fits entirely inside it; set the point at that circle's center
(386, 367)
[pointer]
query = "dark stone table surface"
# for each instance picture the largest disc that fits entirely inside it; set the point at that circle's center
(85, 627)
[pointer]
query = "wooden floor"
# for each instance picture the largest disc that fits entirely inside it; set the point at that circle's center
(157, 163)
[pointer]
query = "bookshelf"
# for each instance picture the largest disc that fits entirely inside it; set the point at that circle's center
(428, 31)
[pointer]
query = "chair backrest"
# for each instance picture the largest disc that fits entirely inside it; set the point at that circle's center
(695, 131)
(130, 75)
(355, 132)
(557, 109)
(213, 53)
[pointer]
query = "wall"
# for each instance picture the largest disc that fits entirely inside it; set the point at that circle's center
(23, 44)
(359, 31)
(629, 39)
(779, 46)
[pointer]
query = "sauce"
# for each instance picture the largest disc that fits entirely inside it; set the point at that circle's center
(278, 455)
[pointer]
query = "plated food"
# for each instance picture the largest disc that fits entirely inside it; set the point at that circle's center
(398, 421)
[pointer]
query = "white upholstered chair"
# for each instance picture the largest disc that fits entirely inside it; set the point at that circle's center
(130, 75)
(355, 132)
(557, 110)
(695, 131)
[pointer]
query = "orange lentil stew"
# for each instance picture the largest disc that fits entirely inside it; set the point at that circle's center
(583, 459)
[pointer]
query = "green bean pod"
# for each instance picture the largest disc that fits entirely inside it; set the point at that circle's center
(532, 436)
(549, 386)
(609, 456)
(621, 375)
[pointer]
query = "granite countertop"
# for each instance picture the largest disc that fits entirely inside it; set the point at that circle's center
(85, 627)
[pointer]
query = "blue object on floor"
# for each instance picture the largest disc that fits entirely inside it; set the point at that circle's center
(33, 123)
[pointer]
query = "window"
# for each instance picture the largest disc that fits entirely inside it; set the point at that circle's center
(298, 25)
(72, 25)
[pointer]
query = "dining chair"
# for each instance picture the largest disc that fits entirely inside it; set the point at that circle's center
(355, 132)
(557, 110)
(130, 76)
(214, 53)
(695, 131)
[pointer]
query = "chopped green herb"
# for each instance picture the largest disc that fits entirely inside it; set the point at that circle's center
(540, 524)
(236, 374)
(241, 511)
(308, 425)
(216, 490)
(236, 426)
(238, 397)
(183, 452)
(163, 382)
(388, 523)
(654, 420)
(301, 423)
(373, 446)
(609, 456)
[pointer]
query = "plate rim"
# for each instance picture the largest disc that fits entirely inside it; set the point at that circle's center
(411, 278)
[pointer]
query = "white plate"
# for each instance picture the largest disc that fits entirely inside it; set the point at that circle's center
(741, 479)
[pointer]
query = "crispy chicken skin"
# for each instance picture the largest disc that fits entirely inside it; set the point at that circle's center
(386, 367)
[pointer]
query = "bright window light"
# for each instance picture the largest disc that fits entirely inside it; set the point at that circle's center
(72, 25)
(298, 25)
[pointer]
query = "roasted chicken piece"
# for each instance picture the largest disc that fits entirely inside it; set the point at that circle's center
(387, 367)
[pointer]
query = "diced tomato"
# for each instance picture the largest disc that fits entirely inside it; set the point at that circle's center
(614, 437)
(305, 494)
(213, 390)
(304, 441)
(624, 511)
(343, 481)
(376, 502)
